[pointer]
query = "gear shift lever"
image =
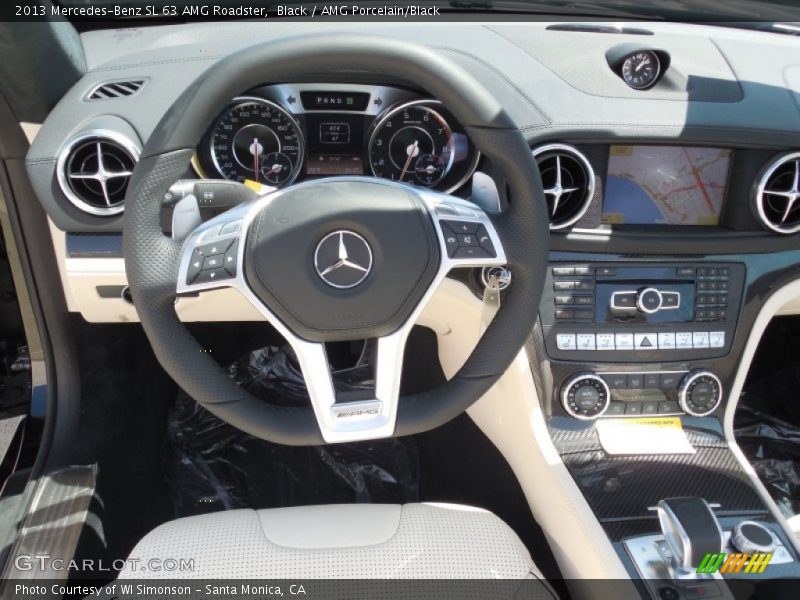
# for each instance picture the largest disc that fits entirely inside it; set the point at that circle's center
(691, 530)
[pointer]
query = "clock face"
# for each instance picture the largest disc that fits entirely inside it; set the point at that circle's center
(641, 70)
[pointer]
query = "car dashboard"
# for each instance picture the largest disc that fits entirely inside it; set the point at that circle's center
(670, 160)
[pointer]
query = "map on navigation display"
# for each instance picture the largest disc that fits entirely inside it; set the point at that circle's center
(660, 185)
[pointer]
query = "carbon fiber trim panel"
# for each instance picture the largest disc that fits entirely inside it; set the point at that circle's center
(627, 486)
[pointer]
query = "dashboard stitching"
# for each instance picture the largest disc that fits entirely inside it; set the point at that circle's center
(494, 70)
(153, 63)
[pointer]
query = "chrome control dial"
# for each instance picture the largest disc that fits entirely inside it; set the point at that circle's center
(585, 396)
(750, 537)
(700, 393)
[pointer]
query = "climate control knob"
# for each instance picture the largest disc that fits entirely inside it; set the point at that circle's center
(700, 393)
(585, 396)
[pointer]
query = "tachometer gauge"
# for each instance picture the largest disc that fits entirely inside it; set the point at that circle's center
(421, 143)
(405, 134)
(248, 137)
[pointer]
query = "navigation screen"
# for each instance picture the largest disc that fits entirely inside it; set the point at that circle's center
(665, 185)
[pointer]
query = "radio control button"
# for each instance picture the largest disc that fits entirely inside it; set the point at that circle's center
(585, 285)
(668, 407)
(700, 339)
(566, 341)
(605, 341)
(683, 339)
(616, 381)
(685, 271)
(646, 341)
(666, 341)
(615, 409)
(649, 301)
(623, 300)
(606, 271)
(668, 381)
(633, 408)
(716, 339)
(586, 341)
(650, 407)
(624, 341)
(564, 315)
(562, 286)
(651, 381)
(670, 300)
(635, 381)
(584, 271)
(584, 314)
(561, 271)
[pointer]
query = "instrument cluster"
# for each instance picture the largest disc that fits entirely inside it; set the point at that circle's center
(279, 134)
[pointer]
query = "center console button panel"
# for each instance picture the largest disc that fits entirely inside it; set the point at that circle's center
(587, 395)
(641, 311)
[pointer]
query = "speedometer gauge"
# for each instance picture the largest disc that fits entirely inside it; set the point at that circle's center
(258, 140)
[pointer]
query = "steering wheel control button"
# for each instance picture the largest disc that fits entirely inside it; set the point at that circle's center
(208, 259)
(585, 396)
(231, 227)
(343, 259)
(700, 393)
(229, 262)
(461, 227)
(751, 537)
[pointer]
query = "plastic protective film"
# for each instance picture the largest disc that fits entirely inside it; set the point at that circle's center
(213, 466)
(767, 427)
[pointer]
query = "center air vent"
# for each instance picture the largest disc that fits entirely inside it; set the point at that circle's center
(116, 89)
(568, 181)
(93, 171)
(778, 195)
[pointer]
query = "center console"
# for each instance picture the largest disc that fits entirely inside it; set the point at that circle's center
(631, 337)
(640, 313)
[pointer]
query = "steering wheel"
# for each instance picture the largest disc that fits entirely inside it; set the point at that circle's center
(336, 259)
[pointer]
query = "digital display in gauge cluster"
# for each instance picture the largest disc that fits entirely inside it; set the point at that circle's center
(334, 133)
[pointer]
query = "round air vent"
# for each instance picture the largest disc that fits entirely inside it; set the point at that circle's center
(778, 195)
(93, 171)
(568, 181)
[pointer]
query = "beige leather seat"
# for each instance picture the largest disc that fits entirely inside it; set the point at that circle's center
(359, 541)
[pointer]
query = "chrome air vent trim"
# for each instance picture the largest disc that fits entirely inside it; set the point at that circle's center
(777, 194)
(569, 183)
(93, 170)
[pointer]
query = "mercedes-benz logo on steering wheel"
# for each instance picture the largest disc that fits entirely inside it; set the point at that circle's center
(343, 259)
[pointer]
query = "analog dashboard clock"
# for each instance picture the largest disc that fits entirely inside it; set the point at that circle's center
(641, 70)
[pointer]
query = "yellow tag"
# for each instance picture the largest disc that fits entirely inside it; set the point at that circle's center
(643, 435)
(668, 422)
(257, 187)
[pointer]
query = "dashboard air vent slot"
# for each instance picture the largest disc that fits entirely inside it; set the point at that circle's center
(116, 89)
(778, 195)
(93, 171)
(568, 180)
